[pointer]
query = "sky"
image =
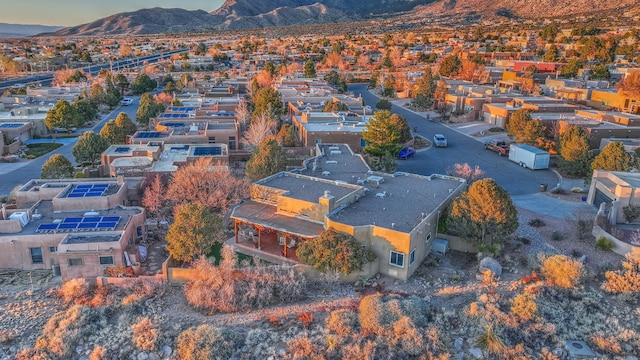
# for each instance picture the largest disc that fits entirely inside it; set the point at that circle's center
(76, 12)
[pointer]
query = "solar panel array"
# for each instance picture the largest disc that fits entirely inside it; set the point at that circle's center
(10, 125)
(180, 109)
(174, 116)
(180, 148)
(121, 150)
(89, 190)
(86, 223)
(174, 124)
(207, 151)
(149, 134)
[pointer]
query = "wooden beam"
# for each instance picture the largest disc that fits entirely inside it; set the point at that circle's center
(259, 238)
(235, 229)
(285, 245)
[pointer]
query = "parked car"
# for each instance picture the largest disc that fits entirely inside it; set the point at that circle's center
(406, 153)
(63, 130)
(126, 101)
(439, 140)
(500, 147)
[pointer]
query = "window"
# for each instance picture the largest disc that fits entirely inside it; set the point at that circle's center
(75, 262)
(106, 260)
(412, 257)
(134, 203)
(428, 237)
(232, 142)
(396, 259)
(53, 249)
(36, 255)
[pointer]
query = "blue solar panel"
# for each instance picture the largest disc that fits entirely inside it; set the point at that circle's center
(93, 219)
(68, 226)
(72, 220)
(93, 194)
(75, 195)
(174, 124)
(100, 186)
(84, 225)
(207, 151)
(10, 125)
(111, 218)
(121, 150)
(84, 186)
(107, 225)
(44, 227)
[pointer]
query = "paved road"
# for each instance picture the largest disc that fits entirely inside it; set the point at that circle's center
(12, 175)
(461, 149)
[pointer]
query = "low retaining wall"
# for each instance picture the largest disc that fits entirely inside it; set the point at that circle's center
(620, 247)
(459, 244)
(126, 281)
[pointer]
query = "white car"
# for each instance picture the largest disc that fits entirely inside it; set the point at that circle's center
(126, 101)
(439, 140)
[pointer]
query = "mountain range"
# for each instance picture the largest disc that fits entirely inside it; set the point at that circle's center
(22, 30)
(245, 14)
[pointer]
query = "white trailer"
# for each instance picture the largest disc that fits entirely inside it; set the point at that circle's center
(529, 156)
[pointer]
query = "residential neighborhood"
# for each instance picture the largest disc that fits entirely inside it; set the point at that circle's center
(414, 192)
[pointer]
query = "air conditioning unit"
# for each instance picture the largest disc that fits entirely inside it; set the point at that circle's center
(440, 246)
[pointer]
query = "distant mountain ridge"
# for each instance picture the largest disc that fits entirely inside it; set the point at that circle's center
(244, 14)
(22, 30)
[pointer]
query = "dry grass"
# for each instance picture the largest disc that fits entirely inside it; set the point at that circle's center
(145, 334)
(562, 271)
(628, 279)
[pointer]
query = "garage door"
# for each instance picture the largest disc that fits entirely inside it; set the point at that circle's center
(600, 198)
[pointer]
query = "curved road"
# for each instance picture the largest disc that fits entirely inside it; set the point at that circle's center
(461, 149)
(14, 174)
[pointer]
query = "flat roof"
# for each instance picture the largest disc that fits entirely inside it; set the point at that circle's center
(266, 215)
(307, 188)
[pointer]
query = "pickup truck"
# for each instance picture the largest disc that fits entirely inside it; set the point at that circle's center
(500, 147)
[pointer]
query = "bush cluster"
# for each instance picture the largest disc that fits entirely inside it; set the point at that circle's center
(562, 271)
(229, 288)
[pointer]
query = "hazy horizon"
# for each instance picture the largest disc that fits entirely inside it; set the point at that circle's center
(76, 12)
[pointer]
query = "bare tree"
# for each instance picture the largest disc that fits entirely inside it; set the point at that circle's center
(201, 181)
(466, 172)
(154, 199)
(243, 114)
(262, 127)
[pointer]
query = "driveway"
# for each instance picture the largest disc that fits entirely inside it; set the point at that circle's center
(461, 149)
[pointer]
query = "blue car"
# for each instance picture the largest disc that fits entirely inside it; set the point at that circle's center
(406, 153)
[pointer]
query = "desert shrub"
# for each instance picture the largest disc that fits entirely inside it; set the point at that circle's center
(305, 318)
(378, 313)
(562, 271)
(77, 291)
(145, 334)
(141, 291)
(407, 337)
(609, 344)
(577, 190)
(631, 212)
(227, 288)
(626, 280)
(536, 222)
(524, 306)
(98, 353)
(558, 191)
(360, 350)
(557, 235)
(584, 228)
(490, 341)
(63, 331)
(32, 354)
(302, 348)
(604, 243)
(342, 322)
(203, 342)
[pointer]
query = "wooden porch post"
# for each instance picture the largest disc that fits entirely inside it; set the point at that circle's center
(259, 238)
(235, 229)
(285, 245)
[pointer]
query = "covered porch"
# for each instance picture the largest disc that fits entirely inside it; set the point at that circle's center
(260, 227)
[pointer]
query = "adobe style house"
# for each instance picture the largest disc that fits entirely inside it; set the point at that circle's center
(394, 215)
(77, 227)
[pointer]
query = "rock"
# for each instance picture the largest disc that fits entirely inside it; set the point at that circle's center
(627, 347)
(166, 351)
(143, 356)
(79, 350)
(476, 352)
(83, 357)
(490, 264)
(631, 358)
(281, 352)
(154, 356)
(559, 352)
(457, 344)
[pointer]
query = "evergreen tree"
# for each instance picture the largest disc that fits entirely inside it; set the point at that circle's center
(124, 121)
(62, 115)
(335, 106)
(86, 109)
(89, 147)
(384, 104)
(57, 167)
(142, 84)
(267, 159)
(268, 101)
(121, 83)
(309, 69)
(524, 128)
(575, 155)
(113, 133)
(613, 157)
(334, 251)
(195, 229)
(450, 66)
(381, 135)
(482, 213)
(425, 89)
(600, 72)
(148, 109)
